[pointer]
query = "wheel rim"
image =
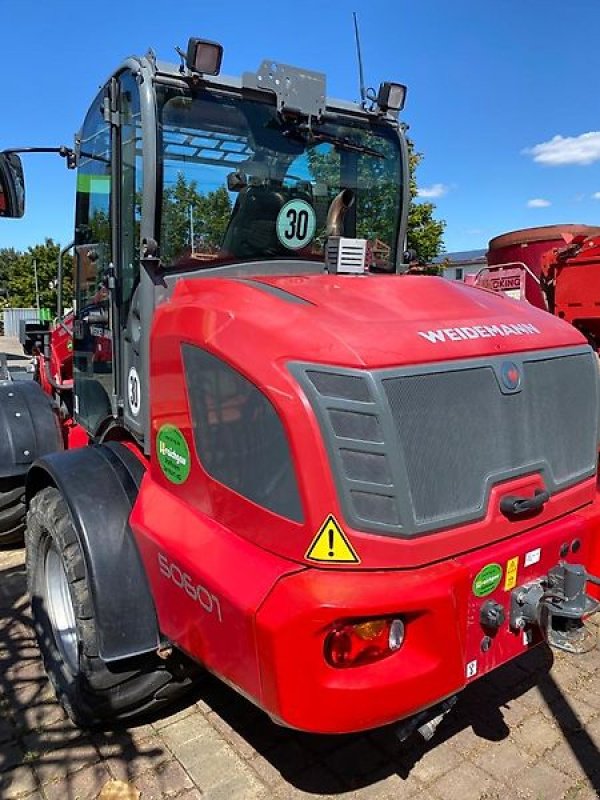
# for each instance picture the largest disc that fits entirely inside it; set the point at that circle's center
(60, 607)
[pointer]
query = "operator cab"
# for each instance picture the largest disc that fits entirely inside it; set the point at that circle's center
(181, 171)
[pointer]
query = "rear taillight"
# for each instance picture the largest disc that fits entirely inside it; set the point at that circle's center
(353, 644)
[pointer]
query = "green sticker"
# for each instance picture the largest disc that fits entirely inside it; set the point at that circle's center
(296, 224)
(487, 580)
(173, 454)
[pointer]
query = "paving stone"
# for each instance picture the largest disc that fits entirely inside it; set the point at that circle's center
(393, 787)
(240, 744)
(7, 730)
(504, 761)
(536, 735)
(566, 673)
(576, 756)
(291, 758)
(59, 735)
(10, 756)
(209, 762)
(114, 743)
(267, 772)
(238, 787)
(584, 792)
(514, 713)
(186, 730)
(466, 782)
(170, 719)
(193, 794)
(17, 782)
(83, 785)
(434, 762)
(542, 781)
(64, 761)
(166, 780)
(574, 711)
(465, 740)
(39, 715)
(134, 760)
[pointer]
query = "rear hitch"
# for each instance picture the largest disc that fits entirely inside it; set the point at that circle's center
(558, 604)
(426, 723)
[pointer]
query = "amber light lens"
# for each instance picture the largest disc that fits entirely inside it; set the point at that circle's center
(359, 643)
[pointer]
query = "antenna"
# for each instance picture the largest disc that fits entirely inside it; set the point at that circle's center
(361, 77)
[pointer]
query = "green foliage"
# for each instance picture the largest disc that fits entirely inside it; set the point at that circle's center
(425, 234)
(376, 191)
(17, 276)
(184, 209)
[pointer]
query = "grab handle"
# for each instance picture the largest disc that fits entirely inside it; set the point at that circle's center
(514, 506)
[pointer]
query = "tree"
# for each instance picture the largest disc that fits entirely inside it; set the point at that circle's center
(377, 197)
(17, 276)
(185, 209)
(425, 234)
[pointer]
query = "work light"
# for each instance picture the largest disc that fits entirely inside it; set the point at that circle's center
(391, 97)
(204, 57)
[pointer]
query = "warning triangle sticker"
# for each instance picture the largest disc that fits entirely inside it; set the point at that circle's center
(331, 545)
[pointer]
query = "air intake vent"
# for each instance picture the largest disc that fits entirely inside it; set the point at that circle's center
(346, 255)
(351, 422)
(417, 449)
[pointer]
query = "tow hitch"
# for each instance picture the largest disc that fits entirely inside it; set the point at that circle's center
(558, 604)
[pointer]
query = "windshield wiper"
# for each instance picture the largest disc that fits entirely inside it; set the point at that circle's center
(303, 133)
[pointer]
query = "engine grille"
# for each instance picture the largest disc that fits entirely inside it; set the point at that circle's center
(419, 449)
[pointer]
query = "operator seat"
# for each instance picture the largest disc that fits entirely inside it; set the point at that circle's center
(251, 232)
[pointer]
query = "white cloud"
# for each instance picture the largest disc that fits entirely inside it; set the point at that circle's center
(432, 192)
(583, 149)
(596, 196)
(538, 202)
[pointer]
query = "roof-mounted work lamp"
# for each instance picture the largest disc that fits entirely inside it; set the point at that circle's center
(204, 57)
(391, 97)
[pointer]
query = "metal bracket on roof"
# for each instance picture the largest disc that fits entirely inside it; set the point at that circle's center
(300, 90)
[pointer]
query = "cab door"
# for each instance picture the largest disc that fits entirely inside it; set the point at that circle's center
(93, 344)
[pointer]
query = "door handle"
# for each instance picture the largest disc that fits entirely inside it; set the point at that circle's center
(515, 505)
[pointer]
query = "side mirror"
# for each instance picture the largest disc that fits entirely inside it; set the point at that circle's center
(12, 186)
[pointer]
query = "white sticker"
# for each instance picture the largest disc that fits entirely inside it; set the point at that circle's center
(472, 669)
(532, 557)
(134, 394)
(296, 224)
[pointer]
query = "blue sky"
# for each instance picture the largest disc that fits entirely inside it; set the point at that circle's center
(491, 86)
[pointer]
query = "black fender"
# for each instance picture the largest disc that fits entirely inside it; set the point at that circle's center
(28, 427)
(100, 484)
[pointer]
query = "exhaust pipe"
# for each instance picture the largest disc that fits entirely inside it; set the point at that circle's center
(337, 211)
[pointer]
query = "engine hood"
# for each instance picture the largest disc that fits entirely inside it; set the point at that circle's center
(372, 321)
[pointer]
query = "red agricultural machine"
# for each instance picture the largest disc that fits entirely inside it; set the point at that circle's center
(555, 267)
(268, 452)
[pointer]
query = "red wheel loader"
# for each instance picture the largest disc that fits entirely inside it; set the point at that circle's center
(268, 452)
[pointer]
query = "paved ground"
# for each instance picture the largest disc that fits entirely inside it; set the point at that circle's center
(528, 732)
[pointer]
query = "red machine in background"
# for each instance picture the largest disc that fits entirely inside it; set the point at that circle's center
(552, 267)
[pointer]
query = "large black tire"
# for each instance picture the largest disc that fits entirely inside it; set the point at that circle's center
(12, 510)
(92, 692)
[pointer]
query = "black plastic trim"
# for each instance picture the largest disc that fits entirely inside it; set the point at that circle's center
(28, 427)
(99, 485)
